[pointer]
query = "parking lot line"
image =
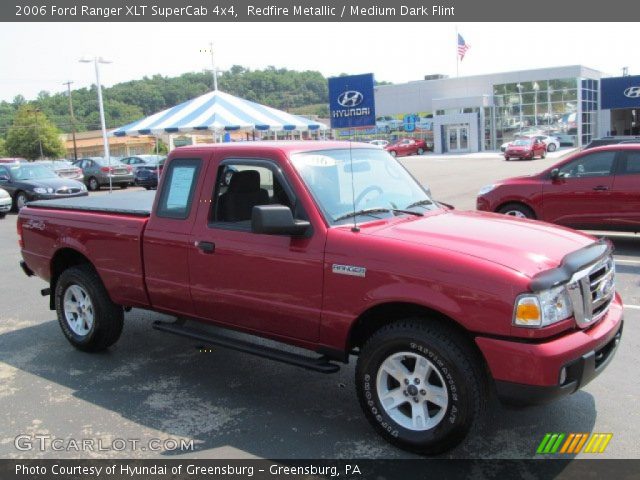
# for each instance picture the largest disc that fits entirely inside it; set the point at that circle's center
(632, 307)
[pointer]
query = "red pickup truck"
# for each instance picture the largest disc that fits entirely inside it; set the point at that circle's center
(336, 249)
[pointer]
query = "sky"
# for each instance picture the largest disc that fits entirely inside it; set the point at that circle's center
(41, 56)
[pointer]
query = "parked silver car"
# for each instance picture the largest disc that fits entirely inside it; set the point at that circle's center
(64, 169)
(97, 172)
(5, 202)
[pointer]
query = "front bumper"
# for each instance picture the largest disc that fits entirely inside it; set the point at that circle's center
(518, 154)
(530, 373)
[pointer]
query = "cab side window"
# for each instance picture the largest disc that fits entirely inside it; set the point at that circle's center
(242, 186)
(631, 164)
(599, 164)
(178, 189)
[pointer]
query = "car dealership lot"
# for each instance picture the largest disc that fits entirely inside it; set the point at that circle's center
(155, 386)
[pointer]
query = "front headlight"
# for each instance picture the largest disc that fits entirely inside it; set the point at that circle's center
(40, 190)
(486, 189)
(541, 309)
(83, 188)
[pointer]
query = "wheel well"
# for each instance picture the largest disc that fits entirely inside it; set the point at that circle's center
(380, 315)
(62, 260)
(516, 202)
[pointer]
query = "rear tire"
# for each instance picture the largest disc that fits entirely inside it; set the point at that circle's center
(92, 184)
(88, 318)
(393, 153)
(518, 210)
(420, 385)
(551, 147)
(506, 159)
(420, 151)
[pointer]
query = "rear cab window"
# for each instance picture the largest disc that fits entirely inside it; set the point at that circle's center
(176, 196)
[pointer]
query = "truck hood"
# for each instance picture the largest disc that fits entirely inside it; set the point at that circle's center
(526, 246)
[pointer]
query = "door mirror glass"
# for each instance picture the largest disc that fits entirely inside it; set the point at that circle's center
(277, 220)
(555, 174)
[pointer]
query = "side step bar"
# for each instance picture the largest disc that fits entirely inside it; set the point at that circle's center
(319, 364)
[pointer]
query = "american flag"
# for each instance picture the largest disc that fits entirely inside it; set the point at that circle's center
(462, 47)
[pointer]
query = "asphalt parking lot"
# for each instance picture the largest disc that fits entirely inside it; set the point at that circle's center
(155, 386)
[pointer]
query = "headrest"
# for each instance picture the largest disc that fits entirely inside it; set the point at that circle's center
(245, 181)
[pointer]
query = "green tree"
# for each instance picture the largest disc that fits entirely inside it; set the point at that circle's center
(3, 152)
(30, 130)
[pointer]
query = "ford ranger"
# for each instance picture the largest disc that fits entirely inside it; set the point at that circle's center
(336, 249)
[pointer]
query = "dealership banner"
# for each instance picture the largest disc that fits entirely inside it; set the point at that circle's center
(260, 469)
(351, 101)
(315, 11)
(620, 92)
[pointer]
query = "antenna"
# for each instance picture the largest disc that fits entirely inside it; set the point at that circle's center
(355, 227)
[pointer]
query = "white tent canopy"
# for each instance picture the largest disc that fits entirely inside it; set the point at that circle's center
(217, 112)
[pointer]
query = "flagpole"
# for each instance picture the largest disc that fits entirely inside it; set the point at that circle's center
(457, 55)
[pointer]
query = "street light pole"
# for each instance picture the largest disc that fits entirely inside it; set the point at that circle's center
(73, 120)
(105, 140)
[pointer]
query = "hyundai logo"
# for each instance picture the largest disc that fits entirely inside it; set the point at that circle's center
(631, 92)
(350, 98)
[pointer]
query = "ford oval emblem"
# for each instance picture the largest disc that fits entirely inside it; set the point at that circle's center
(350, 98)
(632, 92)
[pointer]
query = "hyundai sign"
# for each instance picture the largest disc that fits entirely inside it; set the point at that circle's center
(620, 92)
(351, 102)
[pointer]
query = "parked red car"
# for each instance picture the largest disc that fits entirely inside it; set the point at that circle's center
(596, 189)
(525, 149)
(407, 146)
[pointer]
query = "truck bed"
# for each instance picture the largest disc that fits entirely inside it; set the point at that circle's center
(127, 203)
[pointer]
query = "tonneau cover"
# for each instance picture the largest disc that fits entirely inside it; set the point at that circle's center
(127, 203)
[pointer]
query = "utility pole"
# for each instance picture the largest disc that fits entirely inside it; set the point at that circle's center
(73, 120)
(36, 112)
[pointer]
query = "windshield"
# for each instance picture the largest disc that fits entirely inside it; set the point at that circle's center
(521, 142)
(32, 172)
(379, 184)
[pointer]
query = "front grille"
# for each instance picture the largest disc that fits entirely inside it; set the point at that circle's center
(592, 291)
(67, 191)
(601, 287)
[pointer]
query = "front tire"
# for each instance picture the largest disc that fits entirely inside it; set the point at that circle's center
(551, 147)
(20, 200)
(393, 153)
(88, 318)
(420, 151)
(420, 385)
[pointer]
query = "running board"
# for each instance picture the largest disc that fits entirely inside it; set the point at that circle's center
(319, 364)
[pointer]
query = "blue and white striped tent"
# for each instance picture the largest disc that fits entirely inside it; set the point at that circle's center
(217, 112)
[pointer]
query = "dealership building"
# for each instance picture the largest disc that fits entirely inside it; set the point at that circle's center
(477, 113)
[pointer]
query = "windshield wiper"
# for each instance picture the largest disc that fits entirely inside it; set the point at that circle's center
(369, 211)
(366, 211)
(420, 203)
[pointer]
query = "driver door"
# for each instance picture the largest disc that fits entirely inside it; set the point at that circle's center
(264, 283)
(581, 196)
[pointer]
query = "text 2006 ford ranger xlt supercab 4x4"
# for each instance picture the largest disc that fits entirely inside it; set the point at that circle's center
(335, 248)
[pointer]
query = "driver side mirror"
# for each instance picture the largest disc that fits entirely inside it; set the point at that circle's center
(555, 174)
(277, 220)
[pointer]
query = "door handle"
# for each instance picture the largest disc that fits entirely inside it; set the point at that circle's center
(601, 188)
(206, 247)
